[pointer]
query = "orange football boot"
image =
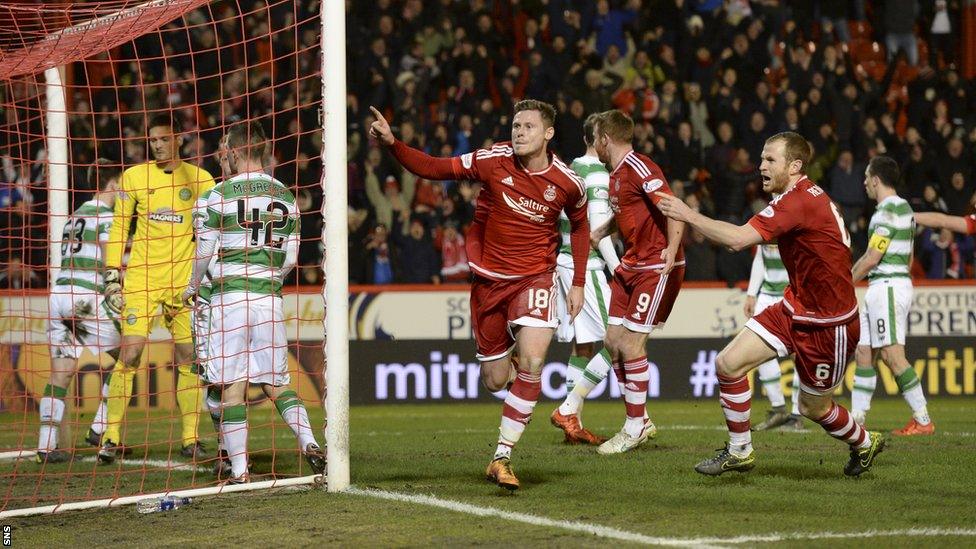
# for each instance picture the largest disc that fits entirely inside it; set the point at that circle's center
(915, 428)
(500, 472)
(575, 433)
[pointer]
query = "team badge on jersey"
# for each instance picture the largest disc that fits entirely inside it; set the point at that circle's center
(185, 194)
(652, 185)
(550, 193)
(767, 212)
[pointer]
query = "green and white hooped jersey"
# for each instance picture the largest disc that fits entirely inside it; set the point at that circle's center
(199, 219)
(254, 219)
(81, 251)
(893, 219)
(597, 181)
(775, 279)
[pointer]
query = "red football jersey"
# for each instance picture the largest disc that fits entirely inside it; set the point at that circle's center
(816, 252)
(516, 224)
(642, 226)
(971, 224)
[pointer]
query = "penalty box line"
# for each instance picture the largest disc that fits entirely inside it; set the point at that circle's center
(633, 537)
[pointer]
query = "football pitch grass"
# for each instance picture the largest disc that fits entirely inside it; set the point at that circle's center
(418, 478)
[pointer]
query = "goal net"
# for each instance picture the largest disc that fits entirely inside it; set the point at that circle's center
(112, 114)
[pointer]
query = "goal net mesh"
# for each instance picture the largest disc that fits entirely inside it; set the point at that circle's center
(208, 66)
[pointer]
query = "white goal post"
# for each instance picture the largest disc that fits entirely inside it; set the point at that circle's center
(334, 237)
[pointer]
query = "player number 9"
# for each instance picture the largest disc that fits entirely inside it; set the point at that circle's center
(643, 302)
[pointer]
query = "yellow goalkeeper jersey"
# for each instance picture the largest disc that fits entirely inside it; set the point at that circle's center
(162, 247)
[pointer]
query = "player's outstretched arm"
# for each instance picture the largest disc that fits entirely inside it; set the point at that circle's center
(415, 161)
(736, 237)
(943, 221)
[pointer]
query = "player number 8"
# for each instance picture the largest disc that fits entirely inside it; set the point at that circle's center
(539, 298)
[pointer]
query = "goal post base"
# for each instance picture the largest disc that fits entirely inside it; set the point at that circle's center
(191, 493)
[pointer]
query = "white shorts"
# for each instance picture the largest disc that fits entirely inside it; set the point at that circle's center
(247, 340)
(591, 324)
(765, 300)
(884, 316)
(78, 319)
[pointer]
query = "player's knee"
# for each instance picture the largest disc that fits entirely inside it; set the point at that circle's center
(723, 364)
(131, 356)
(894, 357)
(493, 380)
(528, 363)
(813, 407)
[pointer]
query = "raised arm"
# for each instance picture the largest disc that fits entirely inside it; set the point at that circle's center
(415, 161)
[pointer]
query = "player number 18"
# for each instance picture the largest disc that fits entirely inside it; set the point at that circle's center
(539, 298)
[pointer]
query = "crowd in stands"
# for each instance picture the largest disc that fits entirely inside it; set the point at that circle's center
(707, 81)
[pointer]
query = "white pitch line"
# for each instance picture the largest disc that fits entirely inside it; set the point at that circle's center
(633, 537)
(807, 536)
(535, 520)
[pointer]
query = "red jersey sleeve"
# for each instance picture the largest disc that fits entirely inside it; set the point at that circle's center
(779, 217)
(971, 224)
(423, 165)
(655, 183)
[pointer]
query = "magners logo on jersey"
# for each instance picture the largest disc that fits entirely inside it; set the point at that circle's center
(166, 215)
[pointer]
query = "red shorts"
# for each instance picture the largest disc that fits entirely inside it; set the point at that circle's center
(497, 305)
(642, 300)
(822, 352)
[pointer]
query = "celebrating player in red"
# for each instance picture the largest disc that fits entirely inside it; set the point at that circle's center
(647, 281)
(817, 318)
(511, 249)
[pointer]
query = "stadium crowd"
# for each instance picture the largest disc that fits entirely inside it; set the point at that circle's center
(707, 81)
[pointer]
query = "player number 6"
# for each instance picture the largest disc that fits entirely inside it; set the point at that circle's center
(822, 372)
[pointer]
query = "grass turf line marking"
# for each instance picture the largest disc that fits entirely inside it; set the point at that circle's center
(535, 520)
(804, 536)
(633, 537)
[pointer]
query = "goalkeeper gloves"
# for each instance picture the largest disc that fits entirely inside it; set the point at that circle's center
(113, 291)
